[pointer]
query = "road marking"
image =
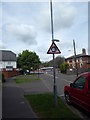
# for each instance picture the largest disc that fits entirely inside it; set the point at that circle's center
(62, 95)
(50, 75)
(58, 77)
(46, 85)
(67, 81)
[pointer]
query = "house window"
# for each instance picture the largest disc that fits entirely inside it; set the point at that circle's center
(73, 64)
(1, 64)
(81, 64)
(9, 68)
(68, 61)
(80, 59)
(73, 60)
(77, 60)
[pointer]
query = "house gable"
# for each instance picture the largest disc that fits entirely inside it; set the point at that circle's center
(7, 59)
(7, 55)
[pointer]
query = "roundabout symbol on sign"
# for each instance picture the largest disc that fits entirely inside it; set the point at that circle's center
(53, 49)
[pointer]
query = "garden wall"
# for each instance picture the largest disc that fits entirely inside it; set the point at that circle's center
(9, 74)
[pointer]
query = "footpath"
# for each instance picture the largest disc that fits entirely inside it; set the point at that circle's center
(14, 105)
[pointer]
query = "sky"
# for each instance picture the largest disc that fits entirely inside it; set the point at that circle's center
(27, 25)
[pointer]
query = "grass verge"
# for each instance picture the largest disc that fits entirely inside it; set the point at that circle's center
(26, 78)
(43, 105)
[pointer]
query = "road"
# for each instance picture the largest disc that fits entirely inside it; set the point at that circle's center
(61, 81)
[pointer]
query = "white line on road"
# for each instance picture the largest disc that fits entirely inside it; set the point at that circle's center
(62, 95)
(67, 81)
(46, 85)
(58, 77)
(50, 75)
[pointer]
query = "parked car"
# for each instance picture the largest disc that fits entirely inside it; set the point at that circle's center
(79, 92)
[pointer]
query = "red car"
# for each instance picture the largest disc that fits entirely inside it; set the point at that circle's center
(79, 91)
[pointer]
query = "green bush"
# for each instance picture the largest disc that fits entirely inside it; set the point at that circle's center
(3, 78)
(64, 67)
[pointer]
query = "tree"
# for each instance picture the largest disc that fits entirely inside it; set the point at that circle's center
(64, 67)
(28, 60)
(45, 64)
(58, 61)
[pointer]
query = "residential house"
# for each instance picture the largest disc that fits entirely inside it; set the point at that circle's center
(8, 63)
(82, 60)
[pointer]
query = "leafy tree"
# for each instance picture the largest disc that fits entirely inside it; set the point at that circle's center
(64, 67)
(28, 60)
(45, 64)
(58, 61)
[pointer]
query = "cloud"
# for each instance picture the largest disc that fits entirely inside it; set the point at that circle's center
(66, 44)
(63, 16)
(45, 0)
(2, 46)
(23, 32)
(20, 22)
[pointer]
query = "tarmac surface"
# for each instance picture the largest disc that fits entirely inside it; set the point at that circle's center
(14, 105)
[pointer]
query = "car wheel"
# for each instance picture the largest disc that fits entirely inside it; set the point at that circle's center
(67, 98)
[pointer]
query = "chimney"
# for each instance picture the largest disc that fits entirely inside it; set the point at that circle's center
(83, 51)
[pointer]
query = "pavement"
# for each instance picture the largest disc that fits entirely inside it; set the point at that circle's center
(35, 87)
(14, 105)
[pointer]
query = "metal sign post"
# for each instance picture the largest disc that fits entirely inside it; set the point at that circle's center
(55, 87)
(53, 50)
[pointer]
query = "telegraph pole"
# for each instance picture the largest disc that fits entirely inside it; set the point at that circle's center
(54, 87)
(75, 57)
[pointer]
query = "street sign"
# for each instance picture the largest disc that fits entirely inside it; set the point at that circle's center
(53, 49)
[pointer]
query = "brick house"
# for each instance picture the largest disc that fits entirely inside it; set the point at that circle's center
(8, 63)
(83, 61)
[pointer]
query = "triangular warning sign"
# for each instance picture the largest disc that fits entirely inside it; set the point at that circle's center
(53, 49)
